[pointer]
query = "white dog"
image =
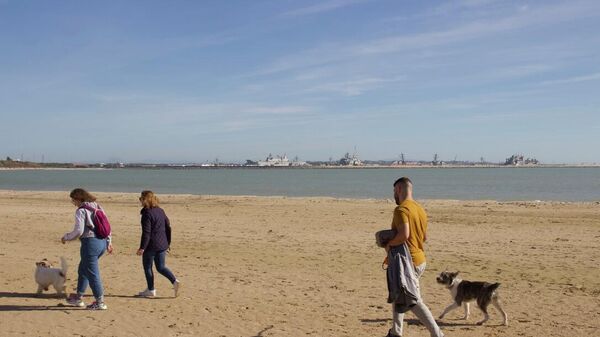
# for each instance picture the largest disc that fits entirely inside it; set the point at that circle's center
(45, 276)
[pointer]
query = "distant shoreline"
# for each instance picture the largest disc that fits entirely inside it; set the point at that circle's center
(399, 167)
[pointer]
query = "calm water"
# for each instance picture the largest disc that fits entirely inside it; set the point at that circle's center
(565, 184)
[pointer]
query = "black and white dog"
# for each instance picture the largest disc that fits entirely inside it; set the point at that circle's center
(46, 276)
(463, 292)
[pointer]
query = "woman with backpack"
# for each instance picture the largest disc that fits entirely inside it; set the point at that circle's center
(155, 242)
(93, 231)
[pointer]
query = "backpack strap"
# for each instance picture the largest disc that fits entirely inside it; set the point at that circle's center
(89, 208)
(92, 210)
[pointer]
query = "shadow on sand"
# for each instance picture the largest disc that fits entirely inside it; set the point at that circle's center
(29, 295)
(412, 321)
(139, 297)
(260, 333)
(58, 307)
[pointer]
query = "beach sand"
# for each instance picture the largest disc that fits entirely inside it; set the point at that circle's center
(274, 266)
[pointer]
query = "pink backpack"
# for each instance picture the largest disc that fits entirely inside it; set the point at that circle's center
(100, 221)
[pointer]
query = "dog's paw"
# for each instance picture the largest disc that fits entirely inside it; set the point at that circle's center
(441, 317)
(480, 322)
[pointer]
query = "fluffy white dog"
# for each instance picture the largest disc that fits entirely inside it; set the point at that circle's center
(45, 276)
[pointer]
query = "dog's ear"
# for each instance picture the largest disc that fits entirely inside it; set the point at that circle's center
(455, 274)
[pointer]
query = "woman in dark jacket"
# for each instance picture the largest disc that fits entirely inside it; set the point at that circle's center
(156, 238)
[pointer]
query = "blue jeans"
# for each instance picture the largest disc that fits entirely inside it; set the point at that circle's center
(159, 259)
(89, 270)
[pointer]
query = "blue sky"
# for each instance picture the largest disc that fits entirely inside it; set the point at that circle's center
(191, 81)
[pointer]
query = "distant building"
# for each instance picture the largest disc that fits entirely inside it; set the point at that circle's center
(436, 161)
(279, 161)
(519, 159)
(348, 160)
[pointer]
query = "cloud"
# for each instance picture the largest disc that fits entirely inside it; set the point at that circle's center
(191, 116)
(354, 87)
(538, 16)
(277, 110)
(322, 6)
(576, 79)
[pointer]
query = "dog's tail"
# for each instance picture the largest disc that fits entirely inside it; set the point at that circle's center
(64, 266)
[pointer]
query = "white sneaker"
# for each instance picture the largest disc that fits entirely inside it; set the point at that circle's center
(176, 286)
(75, 301)
(148, 293)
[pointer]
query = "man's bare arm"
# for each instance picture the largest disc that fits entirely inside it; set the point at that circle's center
(401, 236)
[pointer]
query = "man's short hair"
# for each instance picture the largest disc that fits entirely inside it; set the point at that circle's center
(404, 181)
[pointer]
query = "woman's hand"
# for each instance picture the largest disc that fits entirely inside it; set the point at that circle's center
(140, 251)
(109, 249)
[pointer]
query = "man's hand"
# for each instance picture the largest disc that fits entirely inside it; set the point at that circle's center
(140, 251)
(63, 240)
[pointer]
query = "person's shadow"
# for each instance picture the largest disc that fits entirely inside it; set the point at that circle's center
(60, 306)
(5, 294)
(413, 321)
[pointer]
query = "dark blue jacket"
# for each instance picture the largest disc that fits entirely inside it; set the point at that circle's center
(156, 230)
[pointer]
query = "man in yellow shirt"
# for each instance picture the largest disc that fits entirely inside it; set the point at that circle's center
(410, 223)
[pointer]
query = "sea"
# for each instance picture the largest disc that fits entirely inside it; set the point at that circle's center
(502, 184)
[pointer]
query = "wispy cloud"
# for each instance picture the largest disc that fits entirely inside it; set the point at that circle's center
(537, 16)
(518, 71)
(354, 87)
(277, 110)
(192, 116)
(322, 6)
(576, 79)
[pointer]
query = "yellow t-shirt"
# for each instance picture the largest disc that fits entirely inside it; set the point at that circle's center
(411, 213)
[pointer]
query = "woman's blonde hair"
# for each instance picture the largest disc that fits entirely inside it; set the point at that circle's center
(149, 199)
(82, 195)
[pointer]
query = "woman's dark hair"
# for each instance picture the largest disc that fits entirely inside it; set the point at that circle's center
(82, 195)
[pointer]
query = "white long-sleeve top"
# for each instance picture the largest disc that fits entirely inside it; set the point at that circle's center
(84, 226)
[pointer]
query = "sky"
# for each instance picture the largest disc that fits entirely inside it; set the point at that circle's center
(192, 81)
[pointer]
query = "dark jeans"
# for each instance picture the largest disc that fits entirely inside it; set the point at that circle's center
(89, 270)
(159, 259)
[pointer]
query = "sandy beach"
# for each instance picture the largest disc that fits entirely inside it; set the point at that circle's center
(276, 266)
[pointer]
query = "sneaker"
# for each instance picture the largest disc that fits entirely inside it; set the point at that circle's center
(176, 286)
(147, 293)
(75, 300)
(97, 306)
